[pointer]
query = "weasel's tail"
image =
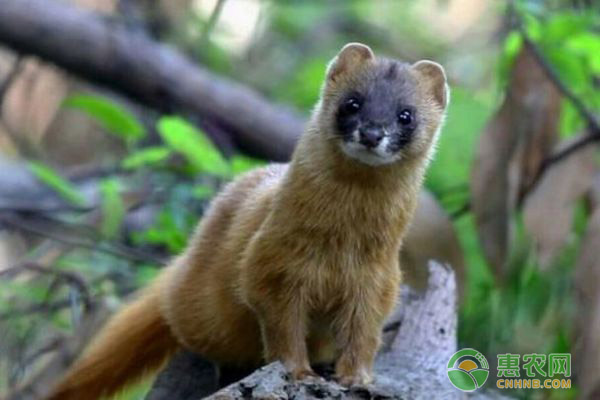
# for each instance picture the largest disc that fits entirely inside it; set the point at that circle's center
(135, 342)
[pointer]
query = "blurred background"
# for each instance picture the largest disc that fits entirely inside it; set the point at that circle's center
(120, 119)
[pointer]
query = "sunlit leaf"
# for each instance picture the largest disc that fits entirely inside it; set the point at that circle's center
(113, 117)
(146, 157)
(563, 26)
(570, 119)
(512, 44)
(587, 45)
(59, 184)
(184, 138)
(569, 67)
(533, 27)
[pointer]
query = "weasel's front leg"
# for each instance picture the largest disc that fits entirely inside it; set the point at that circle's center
(358, 329)
(283, 326)
(281, 312)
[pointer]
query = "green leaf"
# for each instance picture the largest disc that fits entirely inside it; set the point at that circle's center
(193, 144)
(241, 164)
(569, 68)
(588, 46)
(563, 26)
(145, 157)
(570, 121)
(114, 118)
(113, 209)
(533, 27)
(59, 184)
(203, 192)
(164, 231)
(512, 46)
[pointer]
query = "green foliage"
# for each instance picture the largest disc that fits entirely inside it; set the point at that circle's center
(292, 20)
(184, 138)
(114, 118)
(113, 209)
(203, 192)
(303, 87)
(569, 41)
(570, 121)
(513, 43)
(145, 274)
(59, 184)
(169, 230)
(146, 157)
(467, 115)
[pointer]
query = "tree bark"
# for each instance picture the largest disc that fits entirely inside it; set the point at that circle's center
(104, 52)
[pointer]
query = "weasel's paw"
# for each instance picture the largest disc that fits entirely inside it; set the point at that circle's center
(299, 374)
(359, 378)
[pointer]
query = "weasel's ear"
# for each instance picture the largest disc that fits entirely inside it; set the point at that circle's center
(348, 59)
(433, 78)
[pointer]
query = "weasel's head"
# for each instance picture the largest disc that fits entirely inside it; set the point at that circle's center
(379, 111)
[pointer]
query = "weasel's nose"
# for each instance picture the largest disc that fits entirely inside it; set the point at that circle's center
(370, 137)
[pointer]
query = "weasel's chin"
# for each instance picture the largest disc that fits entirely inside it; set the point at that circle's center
(373, 157)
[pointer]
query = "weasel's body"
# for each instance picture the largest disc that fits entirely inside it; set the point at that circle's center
(295, 263)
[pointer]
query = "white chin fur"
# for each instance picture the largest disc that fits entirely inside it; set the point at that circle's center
(374, 157)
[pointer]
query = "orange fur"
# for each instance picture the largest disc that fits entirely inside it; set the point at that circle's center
(133, 343)
(295, 263)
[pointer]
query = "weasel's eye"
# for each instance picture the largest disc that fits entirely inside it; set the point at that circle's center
(405, 117)
(352, 105)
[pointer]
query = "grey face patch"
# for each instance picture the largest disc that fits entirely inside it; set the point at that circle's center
(391, 72)
(379, 118)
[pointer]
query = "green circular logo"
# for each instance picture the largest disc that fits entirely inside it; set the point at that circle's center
(468, 370)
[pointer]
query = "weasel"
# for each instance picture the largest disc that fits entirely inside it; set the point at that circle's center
(298, 262)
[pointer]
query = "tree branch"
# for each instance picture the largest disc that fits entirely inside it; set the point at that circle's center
(106, 53)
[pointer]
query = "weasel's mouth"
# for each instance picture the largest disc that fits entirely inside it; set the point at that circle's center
(373, 156)
(370, 150)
